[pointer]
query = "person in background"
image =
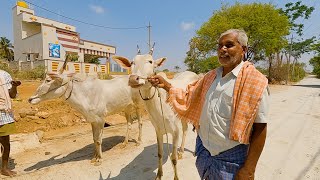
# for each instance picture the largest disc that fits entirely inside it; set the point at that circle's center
(8, 90)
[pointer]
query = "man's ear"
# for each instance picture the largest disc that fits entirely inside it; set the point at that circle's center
(122, 61)
(159, 62)
(245, 49)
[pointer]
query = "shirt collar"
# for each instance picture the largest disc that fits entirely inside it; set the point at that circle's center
(237, 69)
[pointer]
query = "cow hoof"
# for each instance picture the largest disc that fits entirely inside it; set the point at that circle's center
(180, 154)
(138, 143)
(98, 163)
(176, 178)
(123, 145)
(93, 160)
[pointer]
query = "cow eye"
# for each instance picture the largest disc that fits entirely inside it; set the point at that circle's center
(150, 62)
(48, 80)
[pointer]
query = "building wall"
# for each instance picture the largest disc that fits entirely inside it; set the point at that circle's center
(29, 29)
(50, 36)
(97, 47)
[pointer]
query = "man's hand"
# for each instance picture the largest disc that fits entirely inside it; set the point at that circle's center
(15, 83)
(159, 81)
(245, 173)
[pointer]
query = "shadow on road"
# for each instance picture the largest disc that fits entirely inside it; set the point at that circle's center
(84, 153)
(310, 86)
(143, 166)
(308, 167)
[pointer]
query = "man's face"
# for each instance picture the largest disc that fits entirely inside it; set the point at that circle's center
(230, 51)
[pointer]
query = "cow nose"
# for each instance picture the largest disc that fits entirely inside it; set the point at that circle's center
(133, 80)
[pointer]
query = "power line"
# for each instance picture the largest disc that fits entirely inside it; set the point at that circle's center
(83, 22)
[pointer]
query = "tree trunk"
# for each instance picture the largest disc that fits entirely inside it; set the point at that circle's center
(270, 68)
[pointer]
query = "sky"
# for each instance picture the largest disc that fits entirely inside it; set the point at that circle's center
(173, 22)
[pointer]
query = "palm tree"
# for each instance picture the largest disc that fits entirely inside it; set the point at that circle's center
(6, 49)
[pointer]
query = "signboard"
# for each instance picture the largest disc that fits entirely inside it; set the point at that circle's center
(54, 50)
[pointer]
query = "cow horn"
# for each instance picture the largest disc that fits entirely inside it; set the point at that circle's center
(151, 50)
(138, 50)
(63, 66)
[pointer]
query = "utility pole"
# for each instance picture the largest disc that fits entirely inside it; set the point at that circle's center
(149, 36)
(288, 65)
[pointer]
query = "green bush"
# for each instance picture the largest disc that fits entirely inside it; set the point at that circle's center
(36, 73)
(104, 76)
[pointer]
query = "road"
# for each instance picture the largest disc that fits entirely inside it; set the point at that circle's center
(291, 152)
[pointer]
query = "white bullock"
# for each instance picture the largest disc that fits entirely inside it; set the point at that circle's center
(94, 99)
(143, 66)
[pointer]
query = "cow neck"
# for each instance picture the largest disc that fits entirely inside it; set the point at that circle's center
(71, 90)
(149, 92)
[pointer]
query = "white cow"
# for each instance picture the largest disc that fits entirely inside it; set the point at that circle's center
(94, 99)
(143, 66)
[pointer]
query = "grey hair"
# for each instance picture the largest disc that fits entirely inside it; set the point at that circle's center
(242, 36)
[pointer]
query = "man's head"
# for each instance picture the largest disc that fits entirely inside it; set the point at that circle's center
(232, 47)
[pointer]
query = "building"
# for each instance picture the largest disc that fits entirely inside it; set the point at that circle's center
(41, 41)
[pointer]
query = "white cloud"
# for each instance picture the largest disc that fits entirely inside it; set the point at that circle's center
(185, 26)
(97, 9)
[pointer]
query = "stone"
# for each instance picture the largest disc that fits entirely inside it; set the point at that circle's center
(43, 115)
(33, 117)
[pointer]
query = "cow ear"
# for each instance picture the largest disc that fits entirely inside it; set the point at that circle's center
(70, 74)
(54, 76)
(159, 62)
(122, 61)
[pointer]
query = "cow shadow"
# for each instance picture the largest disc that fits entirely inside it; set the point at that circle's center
(84, 153)
(143, 165)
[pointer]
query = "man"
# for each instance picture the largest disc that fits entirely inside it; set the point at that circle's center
(228, 107)
(8, 89)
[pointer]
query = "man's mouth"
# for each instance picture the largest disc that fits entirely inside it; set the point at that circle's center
(224, 56)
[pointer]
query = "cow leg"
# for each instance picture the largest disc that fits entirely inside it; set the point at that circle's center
(129, 123)
(160, 155)
(184, 134)
(174, 155)
(140, 126)
(97, 129)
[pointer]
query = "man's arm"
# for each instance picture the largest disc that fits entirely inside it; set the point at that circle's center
(257, 142)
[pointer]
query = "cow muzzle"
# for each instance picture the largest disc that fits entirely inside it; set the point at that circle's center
(136, 81)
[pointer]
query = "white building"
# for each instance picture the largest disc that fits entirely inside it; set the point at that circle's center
(41, 41)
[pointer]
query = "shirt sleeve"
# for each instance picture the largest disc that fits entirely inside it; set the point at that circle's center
(7, 79)
(263, 107)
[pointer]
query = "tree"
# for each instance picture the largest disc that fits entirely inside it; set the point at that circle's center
(94, 59)
(265, 26)
(315, 61)
(294, 12)
(6, 49)
(72, 56)
(177, 68)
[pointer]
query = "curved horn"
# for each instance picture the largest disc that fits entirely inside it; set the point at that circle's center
(151, 50)
(138, 50)
(63, 66)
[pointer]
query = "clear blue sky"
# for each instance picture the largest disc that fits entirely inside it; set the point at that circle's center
(174, 22)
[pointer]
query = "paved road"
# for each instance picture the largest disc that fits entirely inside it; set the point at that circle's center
(291, 152)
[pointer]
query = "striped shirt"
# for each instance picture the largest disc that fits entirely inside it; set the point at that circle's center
(6, 117)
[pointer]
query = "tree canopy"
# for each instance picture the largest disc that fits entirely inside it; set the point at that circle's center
(265, 26)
